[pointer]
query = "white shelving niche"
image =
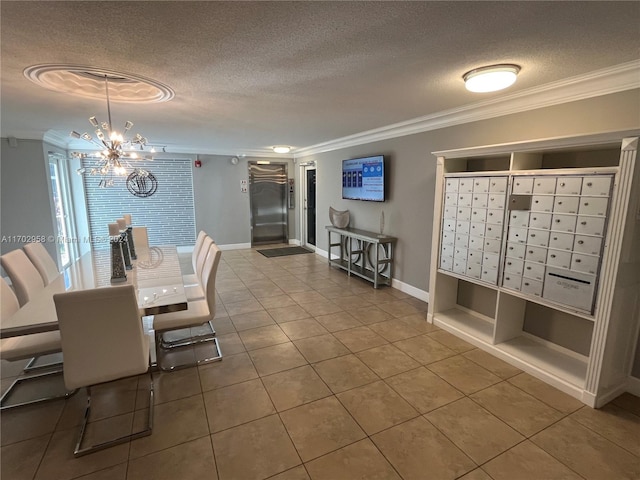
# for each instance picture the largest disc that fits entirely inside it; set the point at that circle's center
(536, 254)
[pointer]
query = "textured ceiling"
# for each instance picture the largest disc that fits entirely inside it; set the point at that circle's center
(248, 75)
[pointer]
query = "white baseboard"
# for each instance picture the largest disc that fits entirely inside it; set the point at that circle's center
(235, 246)
(411, 290)
(294, 241)
(323, 253)
(403, 287)
(633, 386)
(231, 246)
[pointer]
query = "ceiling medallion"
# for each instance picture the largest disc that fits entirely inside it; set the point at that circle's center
(87, 81)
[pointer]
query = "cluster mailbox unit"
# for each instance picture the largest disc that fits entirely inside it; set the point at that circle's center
(536, 253)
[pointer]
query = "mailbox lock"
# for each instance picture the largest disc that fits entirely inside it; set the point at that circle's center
(589, 184)
(580, 242)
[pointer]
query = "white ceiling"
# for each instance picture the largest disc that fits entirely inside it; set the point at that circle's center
(249, 75)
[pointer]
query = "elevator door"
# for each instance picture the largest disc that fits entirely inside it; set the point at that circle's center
(268, 203)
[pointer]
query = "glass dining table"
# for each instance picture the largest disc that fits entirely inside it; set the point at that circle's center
(156, 276)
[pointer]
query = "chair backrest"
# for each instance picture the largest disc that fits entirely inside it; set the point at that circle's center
(202, 255)
(140, 238)
(45, 264)
(8, 301)
(24, 276)
(197, 247)
(208, 276)
(102, 335)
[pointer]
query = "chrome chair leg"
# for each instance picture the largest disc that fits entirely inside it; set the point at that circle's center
(79, 451)
(18, 381)
(31, 365)
(182, 339)
(162, 354)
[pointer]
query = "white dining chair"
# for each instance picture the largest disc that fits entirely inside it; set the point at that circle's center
(27, 346)
(197, 247)
(140, 238)
(25, 278)
(43, 262)
(192, 278)
(193, 288)
(102, 340)
(199, 313)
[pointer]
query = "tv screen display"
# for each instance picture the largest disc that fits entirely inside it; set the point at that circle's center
(363, 179)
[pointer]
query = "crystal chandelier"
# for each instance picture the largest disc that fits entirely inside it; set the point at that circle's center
(115, 150)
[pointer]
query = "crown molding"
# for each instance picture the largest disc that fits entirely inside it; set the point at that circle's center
(56, 138)
(626, 138)
(68, 143)
(606, 81)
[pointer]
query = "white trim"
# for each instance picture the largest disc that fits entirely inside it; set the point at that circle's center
(612, 137)
(294, 241)
(606, 396)
(600, 82)
(235, 246)
(323, 253)
(395, 283)
(593, 84)
(66, 142)
(56, 139)
(411, 290)
(633, 386)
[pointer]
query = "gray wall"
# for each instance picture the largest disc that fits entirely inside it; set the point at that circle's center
(25, 194)
(409, 208)
(222, 210)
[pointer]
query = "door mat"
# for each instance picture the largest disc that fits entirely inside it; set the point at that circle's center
(281, 252)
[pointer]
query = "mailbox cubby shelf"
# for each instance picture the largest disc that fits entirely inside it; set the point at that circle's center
(532, 248)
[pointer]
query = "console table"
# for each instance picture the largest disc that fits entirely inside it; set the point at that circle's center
(362, 253)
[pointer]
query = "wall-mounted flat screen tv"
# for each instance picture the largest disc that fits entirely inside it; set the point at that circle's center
(364, 179)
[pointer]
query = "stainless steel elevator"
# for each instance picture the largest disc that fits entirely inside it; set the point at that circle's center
(268, 203)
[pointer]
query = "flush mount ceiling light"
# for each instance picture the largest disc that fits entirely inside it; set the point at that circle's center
(491, 78)
(281, 149)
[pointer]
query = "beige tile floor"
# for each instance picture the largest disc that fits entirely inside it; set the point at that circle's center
(325, 378)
